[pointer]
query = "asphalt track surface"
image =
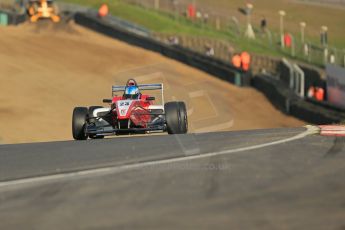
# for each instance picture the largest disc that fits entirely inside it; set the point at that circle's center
(263, 179)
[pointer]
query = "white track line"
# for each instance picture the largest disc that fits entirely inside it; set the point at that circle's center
(109, 170)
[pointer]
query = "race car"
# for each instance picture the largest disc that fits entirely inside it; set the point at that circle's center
(130, 113)
(40, 9)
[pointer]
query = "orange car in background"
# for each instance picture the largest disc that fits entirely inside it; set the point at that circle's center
(39, 9)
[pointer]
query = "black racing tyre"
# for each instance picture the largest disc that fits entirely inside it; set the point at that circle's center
(91, 120)
(176, 117)
(78, 123)
(184, 117)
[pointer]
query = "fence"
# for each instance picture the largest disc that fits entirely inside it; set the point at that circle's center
(207, 18)
(223, 50)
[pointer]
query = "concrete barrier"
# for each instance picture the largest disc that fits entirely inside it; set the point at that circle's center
(210, 65)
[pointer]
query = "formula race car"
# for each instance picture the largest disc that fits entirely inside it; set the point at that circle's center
(132, 112)
(40, 9)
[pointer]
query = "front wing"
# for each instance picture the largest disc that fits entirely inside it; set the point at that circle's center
(109, 130)
(104, 128)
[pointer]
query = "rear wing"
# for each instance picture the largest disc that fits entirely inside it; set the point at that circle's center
(121, 88)
(116, 88)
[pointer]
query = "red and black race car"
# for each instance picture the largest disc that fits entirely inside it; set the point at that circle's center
(132, 112)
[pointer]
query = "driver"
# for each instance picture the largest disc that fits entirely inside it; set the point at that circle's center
(132, 92)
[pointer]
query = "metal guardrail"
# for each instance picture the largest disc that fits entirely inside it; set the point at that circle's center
(288, 81)
(299, 81)
(296, 78)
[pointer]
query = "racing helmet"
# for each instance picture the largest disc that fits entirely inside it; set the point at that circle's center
(132, 92)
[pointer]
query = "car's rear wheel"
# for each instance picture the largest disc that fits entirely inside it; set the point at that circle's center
(176, 117)
(78, 123)
(184, 116)
(93, 120)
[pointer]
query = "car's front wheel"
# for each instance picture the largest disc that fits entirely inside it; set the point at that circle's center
(78, 123)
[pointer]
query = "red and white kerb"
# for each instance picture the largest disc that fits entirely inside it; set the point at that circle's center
(332, 130)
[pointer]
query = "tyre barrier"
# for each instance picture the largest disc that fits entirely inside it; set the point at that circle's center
(207, 64)
(282, 98)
